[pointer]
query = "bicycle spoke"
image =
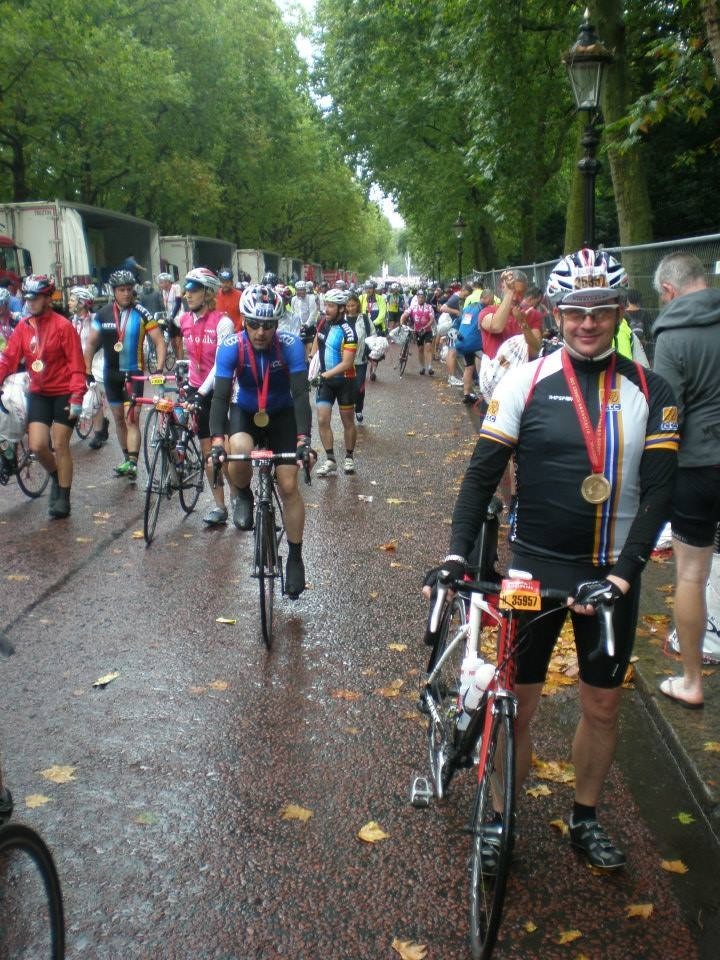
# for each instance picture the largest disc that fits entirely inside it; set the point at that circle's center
(193, 476)
(157, 489)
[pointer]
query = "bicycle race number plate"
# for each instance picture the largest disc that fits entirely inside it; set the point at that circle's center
(520, 595)
(261, 455)
(157, 381)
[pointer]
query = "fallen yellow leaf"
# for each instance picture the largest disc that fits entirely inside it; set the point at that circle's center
(229, 620)
(353, 731)
(101, 515)
(400, 566)
(674, 866)
(138, 535)
(388, 692)
(218, 685)
(373, 595)
(543, 790)
(409, 950)
(372, 832)
(712, 746)
(529, 926)
(643, 910)
(393, 501)
(291, 811)
(567, 936)
(83, 539)
(58, 774)
(389, 546)
(685, 819)
(346, 695)
(36, 800)
(558, 771)
(19, 577)
(196, 689)
(400, 647)
(560, 826)
(106, 679)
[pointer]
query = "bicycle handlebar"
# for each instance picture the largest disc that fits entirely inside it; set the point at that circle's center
(258, 456)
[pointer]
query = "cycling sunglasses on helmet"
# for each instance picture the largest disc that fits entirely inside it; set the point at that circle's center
(254, 324)
(192, 286)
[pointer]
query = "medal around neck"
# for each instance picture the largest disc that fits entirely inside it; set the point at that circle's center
(37, 366)
(117, 347)
(261, 418)
(596, 488)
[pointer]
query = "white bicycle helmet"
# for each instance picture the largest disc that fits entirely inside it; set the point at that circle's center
(586, 268)
(83, 295)
(206, 278)
(336, 295)
(260, 302)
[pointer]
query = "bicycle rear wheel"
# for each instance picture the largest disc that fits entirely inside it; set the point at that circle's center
(32, 476)
(444, 691)
(487, 887)
(265, 563)
(83, 426)
(402, 362)
(193, 476)
(158, 488)
(150, 437)
(32, 923)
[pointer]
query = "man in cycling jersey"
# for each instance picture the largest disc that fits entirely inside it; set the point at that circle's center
(595, 437)
(271, 403)
(227, 299)
(172, 305)
(336, 342)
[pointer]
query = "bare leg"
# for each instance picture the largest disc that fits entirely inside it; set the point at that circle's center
(324, 413)
(347, 415)
(595, 738)
(692, 569)
(61, 442)
(39, 443)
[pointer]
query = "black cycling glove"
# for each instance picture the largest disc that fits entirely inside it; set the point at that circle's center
(593, 592)
(456, 569)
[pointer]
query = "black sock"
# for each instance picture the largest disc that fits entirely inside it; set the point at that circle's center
(581, 812)
(132, 457)
(294, 551)
(125, 453)
(330, 454)
(349, 453)
(497, 817)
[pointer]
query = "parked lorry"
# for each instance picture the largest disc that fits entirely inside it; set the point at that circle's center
(257, 263)
(292, 269)
(15, 262)
(181, 254)
(78, 243)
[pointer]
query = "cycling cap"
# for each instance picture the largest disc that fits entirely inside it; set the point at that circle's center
(206, 278)
(83, 295)
(336, 296)
(225, 274)
(261, 302)
(121, 278)
(586, 268)
(37, 284)
(269, 279)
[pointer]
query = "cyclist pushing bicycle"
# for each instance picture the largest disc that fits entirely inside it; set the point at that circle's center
(595, 437)
(271, 405)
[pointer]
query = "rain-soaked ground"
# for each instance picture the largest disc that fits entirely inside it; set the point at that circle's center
(168, 832)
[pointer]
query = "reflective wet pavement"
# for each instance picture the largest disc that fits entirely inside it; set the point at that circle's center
(169, 838)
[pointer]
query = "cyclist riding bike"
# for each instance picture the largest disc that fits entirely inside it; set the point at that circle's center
(271, 405)
(49, 346)
(595, 437)
(204, 328)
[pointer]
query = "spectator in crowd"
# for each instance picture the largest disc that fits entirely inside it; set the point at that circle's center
(228, 297)
(152, 299)
(687, 355)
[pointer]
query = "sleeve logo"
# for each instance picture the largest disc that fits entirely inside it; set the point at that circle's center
(669, 421)
(492, 411)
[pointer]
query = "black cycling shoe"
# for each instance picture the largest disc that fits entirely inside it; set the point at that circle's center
(6, 806)
(294, 577)
(244, 510)
(590, 838)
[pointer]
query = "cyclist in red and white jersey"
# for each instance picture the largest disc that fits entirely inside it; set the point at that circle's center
(421, 317)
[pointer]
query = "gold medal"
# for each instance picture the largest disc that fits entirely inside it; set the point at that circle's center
(37, 366)
(261, 419)
(117, 347)
(596, 488)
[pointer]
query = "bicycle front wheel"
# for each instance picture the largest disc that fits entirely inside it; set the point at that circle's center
(265, 563)
(444, 690)
(402, 362)
(83, 426)
(32, 476)
(32, 923)
(193, 476)
(150, 436)
(492, 841)
(158, 489)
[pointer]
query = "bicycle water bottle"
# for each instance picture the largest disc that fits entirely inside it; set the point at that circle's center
(480, 682)
(470, 665)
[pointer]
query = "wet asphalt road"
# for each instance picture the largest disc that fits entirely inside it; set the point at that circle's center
(169, 840)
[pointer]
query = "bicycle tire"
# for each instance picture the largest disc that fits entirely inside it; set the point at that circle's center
(444, 690)
(83, 426)
(487, 893)
(32, 477)
(26, 914)
(170, 357)
(265, 545)
(193, 476)
(155, 427)
(158, 487)
(402, 362)
(151, 357)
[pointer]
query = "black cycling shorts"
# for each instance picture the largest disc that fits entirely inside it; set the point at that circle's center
(470, 358)
(540, 639)
(426, 336)
(342, 389)
(203, 415)
(49, 410)
(118, 388)
(696, 505)
(280, 435)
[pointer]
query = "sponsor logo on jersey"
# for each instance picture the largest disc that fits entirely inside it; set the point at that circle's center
(669, 420)
(614, 401)
(492, 410)
(559, 396)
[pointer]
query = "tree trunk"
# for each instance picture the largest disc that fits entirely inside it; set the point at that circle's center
(575, 213)
(632, 199)
(711, 16)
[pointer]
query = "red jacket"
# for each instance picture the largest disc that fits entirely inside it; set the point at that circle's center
(57, 344)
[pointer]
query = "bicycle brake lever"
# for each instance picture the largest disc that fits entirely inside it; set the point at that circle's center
(437, 609)
(606, 644)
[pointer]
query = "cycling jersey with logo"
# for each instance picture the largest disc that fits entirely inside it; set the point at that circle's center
(469, 335)
(332, 340)
(135, 322)
(532, 410)
(285, 355)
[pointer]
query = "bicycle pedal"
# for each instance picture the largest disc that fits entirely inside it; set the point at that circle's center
(421, 793)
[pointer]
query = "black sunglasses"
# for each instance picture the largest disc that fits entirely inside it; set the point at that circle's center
(256, 324)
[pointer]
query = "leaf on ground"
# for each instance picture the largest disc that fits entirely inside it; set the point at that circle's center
(83, 539)
(529, 926)
(392, 689)
(543, 790)
(558, 771)
(292, 811)
(137, 535)
(346, 694)
(102, 515)
(219, 685)
(364, 498)
(106, 679)
(394, 502)
(353, 731)
(409, 950)
(18, 577)
(410, 433)
(229, 620)
(146, 819)
(373, 594)
(197, 689)
(643, 910)
(372, 832)
(712, 746)
(35, 800)
(685, 819)
(400, 566)
(58, 774)
(673, 866)
(567, 936)
(667, 588)
(561, 827)
(400, 647)
(389, 547)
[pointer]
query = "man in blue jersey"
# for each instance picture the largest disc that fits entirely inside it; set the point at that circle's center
(336, 341)
(270, 403)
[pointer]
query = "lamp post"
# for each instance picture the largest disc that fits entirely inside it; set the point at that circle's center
(438, 278)
(459, 228)
(585, 62)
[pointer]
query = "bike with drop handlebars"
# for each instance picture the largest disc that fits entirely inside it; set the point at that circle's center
(488, 739)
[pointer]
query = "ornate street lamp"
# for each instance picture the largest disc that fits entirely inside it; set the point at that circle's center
(585, 62)
(459, 228)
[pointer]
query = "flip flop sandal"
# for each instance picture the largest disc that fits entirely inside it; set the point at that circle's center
(667, 687)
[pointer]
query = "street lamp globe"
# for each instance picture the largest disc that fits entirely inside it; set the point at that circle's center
(459, 226)
(585, 62)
